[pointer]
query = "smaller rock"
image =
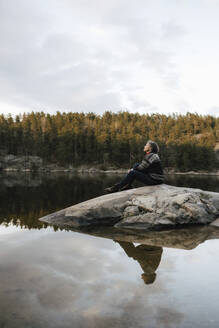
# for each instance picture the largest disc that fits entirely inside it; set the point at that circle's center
(164, 221)
(131, 211)
(148, 203)
(215, 223)
(182, 198)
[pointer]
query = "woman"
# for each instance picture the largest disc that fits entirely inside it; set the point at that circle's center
(149, 171)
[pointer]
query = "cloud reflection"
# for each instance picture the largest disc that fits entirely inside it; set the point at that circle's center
(63, 279)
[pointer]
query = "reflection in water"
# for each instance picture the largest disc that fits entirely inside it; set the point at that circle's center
(65, 279)
(181, 238)
(147, 256)
(69, 279)
(26, 197)
(205, 182)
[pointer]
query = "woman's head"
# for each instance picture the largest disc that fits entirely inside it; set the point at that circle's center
(151, 146)
(148, 278)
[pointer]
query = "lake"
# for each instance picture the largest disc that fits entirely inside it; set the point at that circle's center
(57, 278)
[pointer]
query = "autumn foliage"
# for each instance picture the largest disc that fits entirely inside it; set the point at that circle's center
(114, 139)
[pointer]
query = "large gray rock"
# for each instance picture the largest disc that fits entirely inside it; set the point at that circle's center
(104, 210)
(148, 207)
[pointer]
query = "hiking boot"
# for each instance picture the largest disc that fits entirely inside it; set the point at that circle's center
(126, 187)
(112, 189)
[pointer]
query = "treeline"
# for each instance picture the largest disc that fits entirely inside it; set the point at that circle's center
(186, 141)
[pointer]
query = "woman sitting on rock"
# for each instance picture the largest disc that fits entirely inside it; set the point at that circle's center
(149, 171)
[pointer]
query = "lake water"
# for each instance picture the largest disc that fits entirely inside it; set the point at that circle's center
(57, 278)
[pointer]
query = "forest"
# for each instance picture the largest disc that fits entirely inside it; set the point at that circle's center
(186, 142)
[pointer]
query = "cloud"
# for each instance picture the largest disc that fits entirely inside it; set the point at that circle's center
(92, 56)
(213, 109)
(74, 56)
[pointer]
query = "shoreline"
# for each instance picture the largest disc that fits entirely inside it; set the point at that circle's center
(100, 171)
(35, 164)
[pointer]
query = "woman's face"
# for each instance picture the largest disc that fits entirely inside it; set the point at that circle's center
(147, 147)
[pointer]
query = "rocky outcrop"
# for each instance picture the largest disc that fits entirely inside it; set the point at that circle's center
(170, 207)
(104, 210)
(10, 163)
(20, 163)
(150, 207)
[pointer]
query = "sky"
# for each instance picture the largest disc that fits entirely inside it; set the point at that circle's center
(145, 56)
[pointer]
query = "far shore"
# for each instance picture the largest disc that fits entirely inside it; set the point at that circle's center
(93, 170)
(15, 163)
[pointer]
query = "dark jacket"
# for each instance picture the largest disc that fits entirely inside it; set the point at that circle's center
(151, 165)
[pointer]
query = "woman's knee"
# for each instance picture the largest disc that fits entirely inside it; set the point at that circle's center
(131, 173)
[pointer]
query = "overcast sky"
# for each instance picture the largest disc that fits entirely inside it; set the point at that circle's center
(146, 56)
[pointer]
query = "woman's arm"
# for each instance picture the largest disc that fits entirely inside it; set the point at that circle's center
(147, 161)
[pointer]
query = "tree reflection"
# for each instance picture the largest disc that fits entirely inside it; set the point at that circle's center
(24, 198)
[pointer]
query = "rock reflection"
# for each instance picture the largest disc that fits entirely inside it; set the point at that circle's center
(148, 257)
(182, 238)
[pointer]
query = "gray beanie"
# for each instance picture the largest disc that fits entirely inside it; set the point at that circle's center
(154, 146)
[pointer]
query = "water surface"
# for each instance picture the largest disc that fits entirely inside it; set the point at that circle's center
(57, 278)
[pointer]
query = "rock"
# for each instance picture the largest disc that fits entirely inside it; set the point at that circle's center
(130, 211)
(22, 163)
(169, 206)
(150, 207)
(104, 210)
(215, 223)
(9, 158)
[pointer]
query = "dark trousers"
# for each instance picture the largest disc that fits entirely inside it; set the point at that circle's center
(139, 176)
